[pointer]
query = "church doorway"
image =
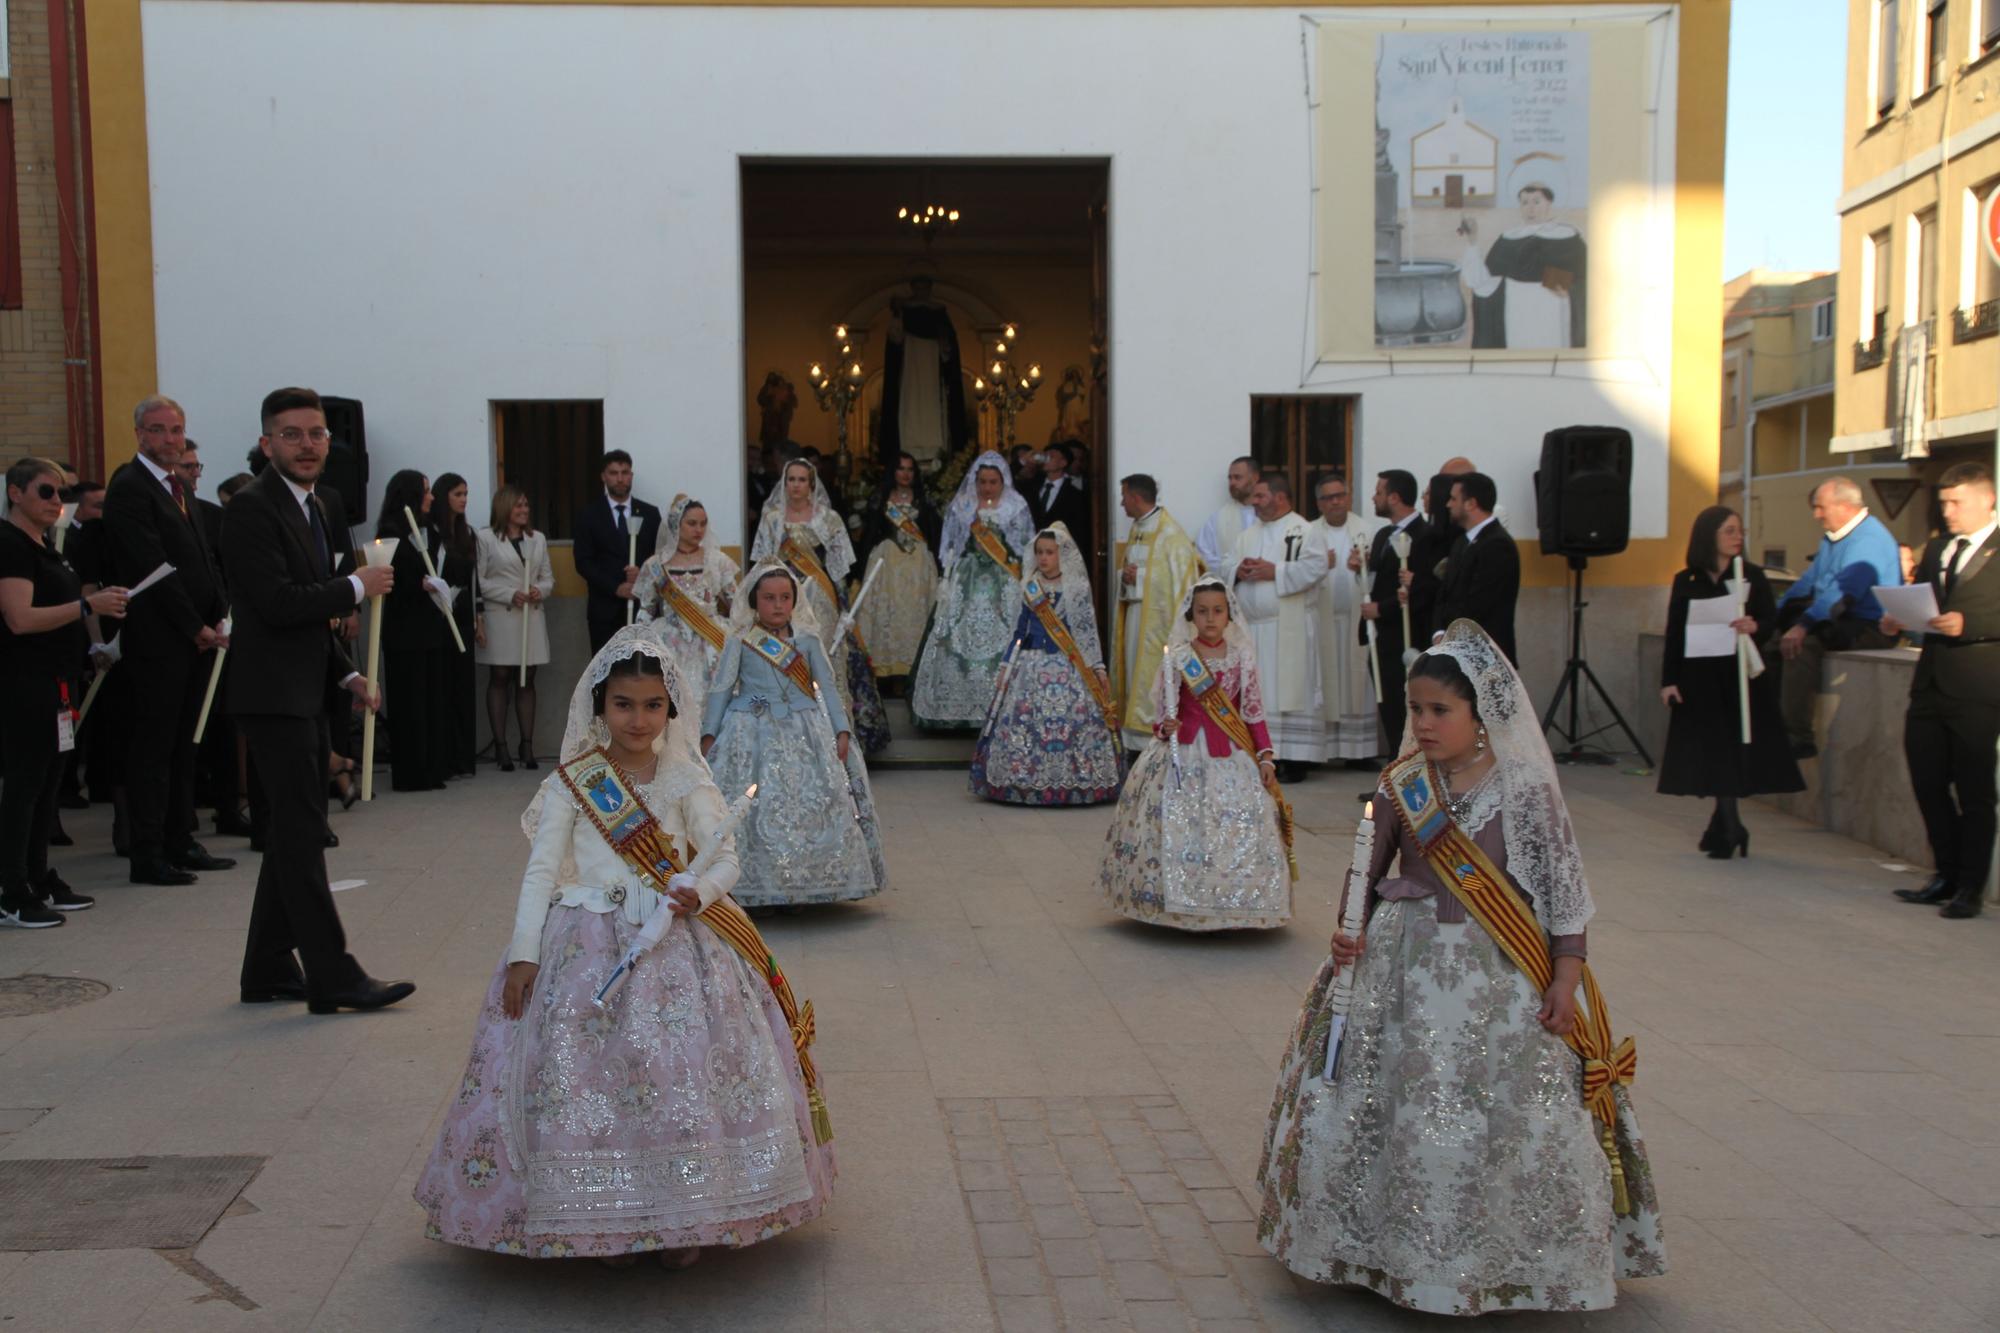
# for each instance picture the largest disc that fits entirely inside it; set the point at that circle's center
(880, 298)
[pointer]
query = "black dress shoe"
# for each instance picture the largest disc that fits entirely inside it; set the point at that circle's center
(196, 857)
(161, 872)
(1962, 906)
(1938, 890)
(332, 838)
(284, 990)
(235, 825)
(59, 836)
(368, 994)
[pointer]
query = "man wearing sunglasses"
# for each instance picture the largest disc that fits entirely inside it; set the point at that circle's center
(150, 521)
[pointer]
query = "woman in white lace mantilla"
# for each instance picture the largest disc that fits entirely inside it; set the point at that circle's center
(987, 531)
(1476, 1148)
(800, 527)
(683, 591)
(1195, 844)
(684, 1112)
(1048, 739)
(774, 718)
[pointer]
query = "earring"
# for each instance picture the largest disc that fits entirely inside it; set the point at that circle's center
(1482, 740)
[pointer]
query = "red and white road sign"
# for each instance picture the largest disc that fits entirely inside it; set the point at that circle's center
(1989, 225)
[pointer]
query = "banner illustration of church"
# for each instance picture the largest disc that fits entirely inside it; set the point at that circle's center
(1482, 189)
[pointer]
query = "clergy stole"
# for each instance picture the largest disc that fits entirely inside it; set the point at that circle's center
(1288, 600)
(610, 800)
(1464, 868)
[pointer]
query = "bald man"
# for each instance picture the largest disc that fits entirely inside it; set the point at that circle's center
(1457, 467)
(1833, 607)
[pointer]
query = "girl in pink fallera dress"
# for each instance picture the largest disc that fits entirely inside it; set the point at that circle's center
(685, 1111)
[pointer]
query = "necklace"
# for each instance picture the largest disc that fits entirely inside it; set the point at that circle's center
(1459, 806)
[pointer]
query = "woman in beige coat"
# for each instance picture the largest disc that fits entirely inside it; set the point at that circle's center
(515, 580)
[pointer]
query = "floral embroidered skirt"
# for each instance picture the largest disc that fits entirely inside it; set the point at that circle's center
(1047, 743)
(811, 835)
(1198, 849)
(892, 617)
(970, 631)
(675, 1116)
(1452, 1165)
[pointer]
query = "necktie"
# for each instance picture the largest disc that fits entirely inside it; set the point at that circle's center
(317, 523)
(1049, 494)
(1951, 559)
(174, 485)
(622, 529)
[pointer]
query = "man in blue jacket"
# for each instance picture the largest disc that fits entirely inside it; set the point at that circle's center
(1833, 608)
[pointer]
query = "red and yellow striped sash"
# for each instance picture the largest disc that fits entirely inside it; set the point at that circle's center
(802, 560)
(995, 550)
(691, 612)
(1037, 598)
(783, 656)
(1221, 709)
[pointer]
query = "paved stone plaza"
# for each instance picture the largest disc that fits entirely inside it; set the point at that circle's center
(1046, 1117)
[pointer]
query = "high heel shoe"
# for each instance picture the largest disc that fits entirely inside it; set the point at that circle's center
(500, 757)
(1728, 845)
(528, 756)
(1711, 838)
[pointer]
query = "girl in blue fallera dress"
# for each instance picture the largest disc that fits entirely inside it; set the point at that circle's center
(1047, 740)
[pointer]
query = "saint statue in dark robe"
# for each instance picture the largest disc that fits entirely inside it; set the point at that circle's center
(923, 392)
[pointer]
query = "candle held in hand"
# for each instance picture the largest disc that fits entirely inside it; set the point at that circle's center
(379, 552)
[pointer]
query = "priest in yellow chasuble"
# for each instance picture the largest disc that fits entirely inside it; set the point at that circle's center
(1160, 566)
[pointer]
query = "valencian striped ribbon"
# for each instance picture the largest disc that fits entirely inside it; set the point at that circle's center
(995, 549)
(1482, 888)
(905, 519)
(802, 560)
(1215, 701)
(691, 612)
(611, 801)
(1037, 598)
(781, 655)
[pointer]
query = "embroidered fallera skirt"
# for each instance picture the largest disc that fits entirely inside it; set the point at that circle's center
(1047, 743)
(1199, 850)
(811, 834)
(892, 618)
(970, 631)
(1452, 1165)
(676, 1116)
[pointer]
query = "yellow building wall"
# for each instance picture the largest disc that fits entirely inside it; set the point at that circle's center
(124, 244)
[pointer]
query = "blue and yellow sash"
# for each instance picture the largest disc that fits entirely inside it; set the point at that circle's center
(1482, 888)
(1035, 596)
(783, 656)
(611, 801)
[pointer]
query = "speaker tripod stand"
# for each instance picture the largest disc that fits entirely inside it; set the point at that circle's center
(1576, 675)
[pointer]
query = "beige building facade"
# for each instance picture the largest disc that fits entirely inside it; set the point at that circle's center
(1917, 372)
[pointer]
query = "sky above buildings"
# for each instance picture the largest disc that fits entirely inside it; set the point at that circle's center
(1787, 85)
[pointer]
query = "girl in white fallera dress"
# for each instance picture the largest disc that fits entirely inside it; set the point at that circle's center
(685, 1110)
(800, 528)
(774, 718)
(1197, 843)
(683, 591)
(1475, 1149)
(987, 531)
(1049, 737)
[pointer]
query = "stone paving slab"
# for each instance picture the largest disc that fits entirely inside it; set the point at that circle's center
(1816, 1078)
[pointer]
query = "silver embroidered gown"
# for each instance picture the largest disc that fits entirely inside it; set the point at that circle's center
(971, 629)
(1452, 1166)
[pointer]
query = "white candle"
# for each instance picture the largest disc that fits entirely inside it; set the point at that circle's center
(631, 558)
(1743, 650)
(1353, 917)
(378, 552)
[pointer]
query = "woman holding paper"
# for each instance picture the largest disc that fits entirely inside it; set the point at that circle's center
(42, 643)
(1474, 1148)
(695, 1073)
(416, 640)
(1706, 751)
(515, 577)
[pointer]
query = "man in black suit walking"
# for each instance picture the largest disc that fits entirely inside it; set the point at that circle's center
(1482, 577)
(149, 521)
(1396, 501)
(278, 549)
(1953, 725)
(604, 551)
(1057, 498)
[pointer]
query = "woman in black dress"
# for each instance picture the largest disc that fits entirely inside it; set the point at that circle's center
(415, 640)
(458, 565)
(1706, 755)
(42, 640)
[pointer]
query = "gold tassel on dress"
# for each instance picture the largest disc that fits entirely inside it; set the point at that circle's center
(1621, 1197)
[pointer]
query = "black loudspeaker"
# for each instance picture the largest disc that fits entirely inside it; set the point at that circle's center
(1583, 491)
(347, 458)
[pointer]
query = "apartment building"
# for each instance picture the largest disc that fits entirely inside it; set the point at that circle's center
(1917, 317)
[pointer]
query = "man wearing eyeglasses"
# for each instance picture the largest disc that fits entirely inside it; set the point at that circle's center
(279, 546)
(150, 520)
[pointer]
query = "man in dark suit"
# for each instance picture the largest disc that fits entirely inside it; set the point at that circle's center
(604, 551)
(1057, 498)
(1395, 501)
(149, 521)
(1482, 577)
(1953, 724)
(278, 547)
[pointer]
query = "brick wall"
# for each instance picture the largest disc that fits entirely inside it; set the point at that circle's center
(34, 405)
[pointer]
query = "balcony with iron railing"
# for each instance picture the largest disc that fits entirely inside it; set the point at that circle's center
(1979, 321)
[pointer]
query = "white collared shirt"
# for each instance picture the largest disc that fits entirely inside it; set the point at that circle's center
(160, 474)
(1472, 533)
(1847, 527)
(1404, 521)
(304, 494)
(1973, 541)
(616, 505)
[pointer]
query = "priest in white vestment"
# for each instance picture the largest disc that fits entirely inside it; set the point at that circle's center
(1225, 524)
(1346, 689)
(1276, 565)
